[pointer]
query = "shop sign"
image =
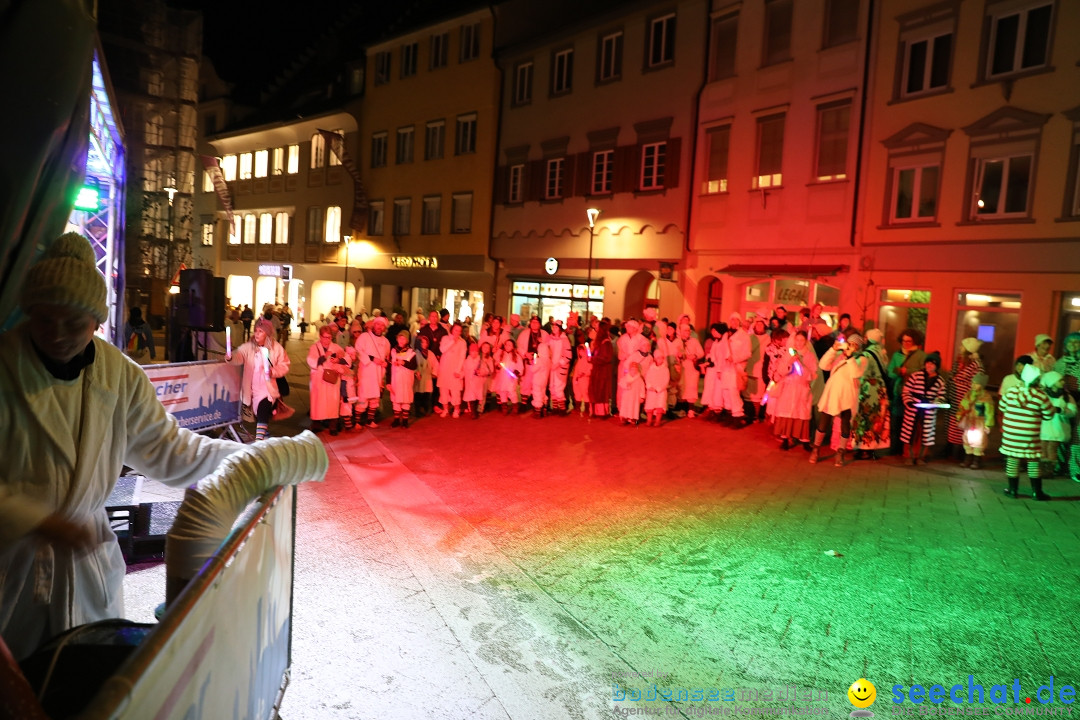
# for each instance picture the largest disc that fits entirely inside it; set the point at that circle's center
(526, 288)
(793, 292)
(276, 270)
(414, 261)
(551, 266)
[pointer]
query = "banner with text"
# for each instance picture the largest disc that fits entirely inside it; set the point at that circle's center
(200, 395)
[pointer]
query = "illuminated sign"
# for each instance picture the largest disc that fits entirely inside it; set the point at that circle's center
(414, 261)
(89, 196)
(551, 266)
(275, 270)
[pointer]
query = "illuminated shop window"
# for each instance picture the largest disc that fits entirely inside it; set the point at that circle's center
(992, 317)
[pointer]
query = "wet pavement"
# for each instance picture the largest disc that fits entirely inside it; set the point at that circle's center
(509, 567)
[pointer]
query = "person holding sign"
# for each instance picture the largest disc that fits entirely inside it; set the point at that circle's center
(73, 411)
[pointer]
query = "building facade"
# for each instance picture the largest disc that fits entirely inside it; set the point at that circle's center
(777, 159)
(971, 218)
(428, 122)
(598, 115)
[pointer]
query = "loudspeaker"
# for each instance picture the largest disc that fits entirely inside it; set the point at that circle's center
(201, 302)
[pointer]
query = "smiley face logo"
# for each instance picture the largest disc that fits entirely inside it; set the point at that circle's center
(862, 693)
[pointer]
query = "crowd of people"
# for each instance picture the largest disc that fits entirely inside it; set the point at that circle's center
(819, 384)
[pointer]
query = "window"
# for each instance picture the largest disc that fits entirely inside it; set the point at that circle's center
(465, 137)
(653, 156)
(277, 161)
(514, 188)
(926, 64)
(266, 228)
(382, 67)
(841, 22)
(408, 59)
(249, 229)
(725, 32)
(603, 163)
(402, 209)
(378, 149)
(245, 166)
(523, 77)
(356, 81)
(777, 31)
(661, 49)
(462, 212)
(207, 182)
(562, 70)
(770, 151)
(716, 172)
(375, 217)
(610, 61)
(901, 309)
(553, 187)
(262, 162)
(915, 193)
(993, 317)
(333, 224)
(318, 151)
(832, 141)
(434, 139)
(281, 228)
(404, 149)
(208, 234)
(1019, 39)
(228, 167)
(332, 157)
(432, 215)
(1072, 186)
(470, 42)
(235, 231)
(1002, 186)
(294, 160)
(439, 44)
(314, 224)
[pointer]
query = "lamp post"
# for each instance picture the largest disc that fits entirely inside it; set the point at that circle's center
(591, 214)
(345, 289)
(171, 191)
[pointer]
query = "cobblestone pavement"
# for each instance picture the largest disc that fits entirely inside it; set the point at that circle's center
(507, 567)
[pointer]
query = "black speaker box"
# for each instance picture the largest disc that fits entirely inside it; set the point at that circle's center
(201, 302)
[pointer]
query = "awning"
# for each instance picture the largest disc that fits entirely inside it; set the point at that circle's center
(788, 270)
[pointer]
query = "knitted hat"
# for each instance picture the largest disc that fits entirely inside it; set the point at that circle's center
(980, 379)
(875, 335)
(1041, 338)
(67, 275)
(971, 344)
(933, 357)
(1030, 374)
(854, 339)
(1050, 379)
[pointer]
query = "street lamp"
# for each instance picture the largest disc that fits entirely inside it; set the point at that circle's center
(171, 191)
(345, 289)
(591, 214)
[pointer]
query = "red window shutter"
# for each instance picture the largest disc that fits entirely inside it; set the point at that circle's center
(569, 175)
(535, 179)
(672, 161)
(502, 185)
(583, 174)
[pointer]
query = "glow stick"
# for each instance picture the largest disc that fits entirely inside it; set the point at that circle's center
(508, 370)
(765, 397)
(932, 406)
(228, 340)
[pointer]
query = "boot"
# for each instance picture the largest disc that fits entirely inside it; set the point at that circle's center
(839, 457)
(1037, 491)
(761, 412)
(397, 420)
(405, 421)
(371, 415)
(967, 462)
(976, 462)
(1014, 486)
(784, 444)
(335, 426)
(505, 408)
(814, 453)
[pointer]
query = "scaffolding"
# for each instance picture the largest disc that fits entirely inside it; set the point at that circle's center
(154, 53)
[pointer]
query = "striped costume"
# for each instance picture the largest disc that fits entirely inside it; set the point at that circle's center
(921, 388)
(959, 387)
(1023, 410)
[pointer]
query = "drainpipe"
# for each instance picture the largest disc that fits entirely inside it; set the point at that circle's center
(868, 44)
(694, 116)
(494, 176)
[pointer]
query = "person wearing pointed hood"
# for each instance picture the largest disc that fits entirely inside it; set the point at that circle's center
(74, 410)
(1057, 430)
(968, 365)
(729, 355)
(1024, 408)
(1042, 357)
